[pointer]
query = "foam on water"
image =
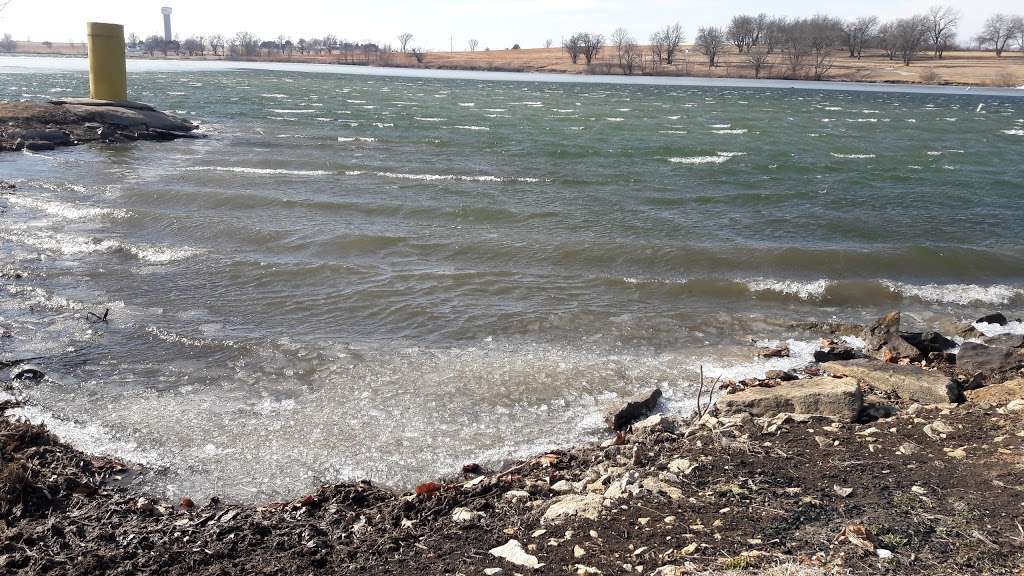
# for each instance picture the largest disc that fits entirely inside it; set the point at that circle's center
(65, 244)
(718, 158)
(65, 210)
(804, 290)
(1014, 132)
(1013, 327)
(246, 170)
(471, 127)
(962, 294)
(853, 156)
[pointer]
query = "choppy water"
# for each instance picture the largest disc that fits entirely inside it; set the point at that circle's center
(387, 277)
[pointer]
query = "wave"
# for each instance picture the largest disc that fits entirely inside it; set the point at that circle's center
(71, 245)
(448, 177)
(853, 156)
(471, 127)
(355, 139)
(718, 158)
(65, 210)
(850, 292)
(1013, 132)
(731, 131)
(245, 170)
(280, 111)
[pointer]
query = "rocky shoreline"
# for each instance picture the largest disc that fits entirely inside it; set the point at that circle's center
(904, 457)
(41, 126)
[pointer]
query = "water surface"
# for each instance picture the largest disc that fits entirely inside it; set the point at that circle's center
(389, 276)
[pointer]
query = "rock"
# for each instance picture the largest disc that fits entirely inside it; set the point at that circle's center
(582, 570)
(998, 393)
(928, 342)
(130, 118)
(29, 374)
(621, 415)
(562, 487)
(781, 375)
(52, 135)
(970, 331)
(40, 145)
(775, 352)
(655, 423)
(976, 358)
(512, 551)
(682, 466)
(670, 571)
(658, 486)
(493, 571)
(835, 352)
(906, 382)
(884, 341)
(937, 430)
(463, 515)
(132, 105)
(145, 505)
(836, 398)
(1005, 341)
(584, 506)
(1015, 406)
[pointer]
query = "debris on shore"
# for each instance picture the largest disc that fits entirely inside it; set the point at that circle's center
(39, 126)
(882, 464)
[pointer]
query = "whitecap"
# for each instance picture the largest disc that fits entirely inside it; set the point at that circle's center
(731, 131)
(853, 156)
(280, 111)
(65, 210)
(1014, 327)
(356, 139)
(615, 119)
(804, 290)
(246, 170)
(471, 127)
(429, 119)
(962, 294)
(1014, 132)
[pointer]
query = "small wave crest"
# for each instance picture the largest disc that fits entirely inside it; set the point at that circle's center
(245, 170)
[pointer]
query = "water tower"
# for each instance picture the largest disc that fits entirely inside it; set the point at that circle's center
(166, 11)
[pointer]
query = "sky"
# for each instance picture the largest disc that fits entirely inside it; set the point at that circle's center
(437, 24)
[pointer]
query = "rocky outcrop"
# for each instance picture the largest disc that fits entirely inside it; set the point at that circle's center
(884, 341)
(40, 126)
(991, 361)
(838, 398)
(909, 383)
(1002, 393)
(634, 408)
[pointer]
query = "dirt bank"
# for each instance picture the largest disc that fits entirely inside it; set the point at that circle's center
(898, 487)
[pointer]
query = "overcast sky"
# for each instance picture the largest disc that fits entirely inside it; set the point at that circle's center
(434, 23)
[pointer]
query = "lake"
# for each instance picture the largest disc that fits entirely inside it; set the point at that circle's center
(362, 275)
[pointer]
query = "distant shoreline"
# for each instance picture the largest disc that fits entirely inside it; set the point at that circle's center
(63, 63)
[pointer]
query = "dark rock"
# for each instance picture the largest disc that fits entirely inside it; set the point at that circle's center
(1005, 341)
(52, 135)
(971, 332)
(40, 145)
(928, 342)
(942, 358)
(834, 351)
(782, 375)
(621, 415)
(989, 360)
(29, 374)
(18, 145)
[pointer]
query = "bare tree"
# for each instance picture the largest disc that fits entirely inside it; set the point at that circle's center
(152, 43)
(8, 44)
(942, 24)
(248, 44)
(657, 48)
(134, 40)
(773, 34)
(741, 32)
(1019, 25)
(592, 44)
(330, 43)
(418, 54)
(672, 36)
(858, 33)
(710, 42)
(549, 43)
(193, 46)
(473, 43)
(217, 43)
(759, 58)
(573, 45)
(912, 36)
(999, 29)
(632, 57)
(620, 37)
(888, 39)
(282, 42)
(403, 40)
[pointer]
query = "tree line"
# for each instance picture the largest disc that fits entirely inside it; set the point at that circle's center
(802, 46)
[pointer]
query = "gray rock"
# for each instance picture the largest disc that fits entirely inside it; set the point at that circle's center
(53, 135)
(624, 413)
(833, 397)
(976, 358)
(583, 506)
(132, 105)
(906, 382)
(40, 145)
(883, 340)
(928, 342)
(130, 118)
(1005, 341)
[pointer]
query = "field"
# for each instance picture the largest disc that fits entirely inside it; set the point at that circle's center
(972, 68)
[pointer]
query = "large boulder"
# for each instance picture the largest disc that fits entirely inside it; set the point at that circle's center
(906, 382)
(998, 393)
(928, 342)
(625, 412)
(974, 359)
(130, 118)
(838, 398)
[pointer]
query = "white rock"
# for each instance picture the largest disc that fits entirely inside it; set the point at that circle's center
(461, 515)
(1015, 406)
(582, 570)
(883, 553)
(578, 552)
(562, 486)
(516, 494)
(493, 571)
(681, 466)
(513, 552)
(937, 429)
(586, 506)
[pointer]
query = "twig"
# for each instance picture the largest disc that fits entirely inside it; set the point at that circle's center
(98, 317)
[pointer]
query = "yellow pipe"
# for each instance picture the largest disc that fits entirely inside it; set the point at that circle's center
(108, 76)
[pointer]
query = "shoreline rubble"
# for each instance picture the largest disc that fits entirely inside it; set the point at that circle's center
(898, 462)
(43, 126)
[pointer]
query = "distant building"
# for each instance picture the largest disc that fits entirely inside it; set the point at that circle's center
(166, 11)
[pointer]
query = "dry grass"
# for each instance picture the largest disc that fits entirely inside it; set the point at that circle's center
(961, 67)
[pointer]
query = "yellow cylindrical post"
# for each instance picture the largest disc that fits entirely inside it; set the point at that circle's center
(108, 76)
